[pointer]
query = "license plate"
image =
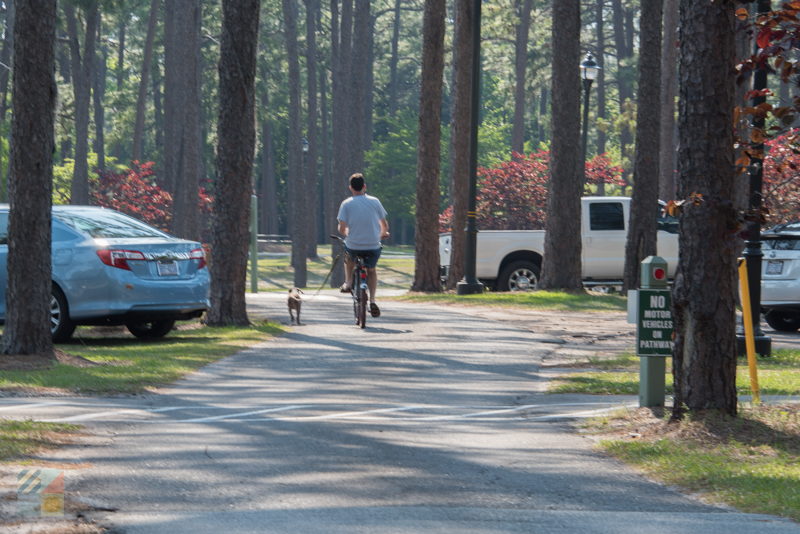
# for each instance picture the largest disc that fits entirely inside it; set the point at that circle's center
(774, 267)
(167, 268)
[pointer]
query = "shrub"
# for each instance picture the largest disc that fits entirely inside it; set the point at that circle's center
(134, 191)
(513, 195)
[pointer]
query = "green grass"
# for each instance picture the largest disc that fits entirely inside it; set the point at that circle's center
(749, 462)
(626, 361)
(20, 438)
(543, 300)
(276, 273)
(777, 375)
(128, 365)
(396, 271)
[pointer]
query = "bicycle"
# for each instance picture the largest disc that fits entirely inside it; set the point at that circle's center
(358, 287)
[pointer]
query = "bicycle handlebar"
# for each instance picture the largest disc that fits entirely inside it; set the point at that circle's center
(340, 238)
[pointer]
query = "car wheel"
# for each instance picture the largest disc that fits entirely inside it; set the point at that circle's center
(61, 327)
(783, 321)
(519, 276)
(151, 329)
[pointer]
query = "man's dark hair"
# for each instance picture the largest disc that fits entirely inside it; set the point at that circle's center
(357, 181)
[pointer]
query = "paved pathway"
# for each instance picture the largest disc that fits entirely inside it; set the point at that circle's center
(424, 422)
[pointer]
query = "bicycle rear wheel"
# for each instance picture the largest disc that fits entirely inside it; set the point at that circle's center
(361, 312)
(354, 292)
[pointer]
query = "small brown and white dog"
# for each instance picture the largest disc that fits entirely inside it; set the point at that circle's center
(294, 302)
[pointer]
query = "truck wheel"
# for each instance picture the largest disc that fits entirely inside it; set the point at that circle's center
(783, 321)
(519, 276)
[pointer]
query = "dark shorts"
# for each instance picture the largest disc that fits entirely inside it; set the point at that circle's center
(370, 256)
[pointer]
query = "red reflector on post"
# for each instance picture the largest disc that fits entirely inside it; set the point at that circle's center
(659, 273)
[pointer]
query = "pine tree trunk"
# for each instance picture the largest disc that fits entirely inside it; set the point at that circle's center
(82, 67)
(561, 267)
(426, 265)
(98, 96)
(158, 109)
(369, 86)
(704, 293)
(342, 165)
(235, 146)
(460, 139)
(121, 54)
(624, 77)
(185, 146)
(358, 86)
(27, 325)
(395, 57)
(268, 209)
(669, 88)
(642, 229)
(297, 189)
(544, 102)
(5, 76)
(5, 57)
(601, 81)
(523, 10)
(310, 158)
(329, 204)
(144, 80)
(171, 110)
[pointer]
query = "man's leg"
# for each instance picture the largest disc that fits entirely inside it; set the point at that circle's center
(349, 266)
(372, 282)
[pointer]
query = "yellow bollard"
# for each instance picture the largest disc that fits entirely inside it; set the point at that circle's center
(749, 339)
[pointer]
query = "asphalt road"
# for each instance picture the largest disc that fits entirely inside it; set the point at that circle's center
(429, 420)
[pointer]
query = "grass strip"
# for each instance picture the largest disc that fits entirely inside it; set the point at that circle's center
(21, 438)
(749, 462)
(542, 300)
(777, 375)
(121, 363)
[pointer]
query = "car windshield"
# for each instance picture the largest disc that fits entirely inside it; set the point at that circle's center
(782, 243)
(107, 223)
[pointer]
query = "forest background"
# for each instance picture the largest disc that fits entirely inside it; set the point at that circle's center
(138, 97)
(135, 78)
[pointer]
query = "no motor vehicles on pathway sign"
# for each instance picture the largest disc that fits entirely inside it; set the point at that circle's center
(654, 325)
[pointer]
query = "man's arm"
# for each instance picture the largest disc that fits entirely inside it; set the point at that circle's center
(342, 228)
(384, 229)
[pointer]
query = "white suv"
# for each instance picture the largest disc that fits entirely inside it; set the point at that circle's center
(780, 277)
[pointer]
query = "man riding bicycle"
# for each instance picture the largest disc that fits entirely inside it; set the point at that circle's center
(362, 220)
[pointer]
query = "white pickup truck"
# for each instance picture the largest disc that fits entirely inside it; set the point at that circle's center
(511, 260)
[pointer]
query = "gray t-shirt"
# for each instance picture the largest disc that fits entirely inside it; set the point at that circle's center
(362, 214)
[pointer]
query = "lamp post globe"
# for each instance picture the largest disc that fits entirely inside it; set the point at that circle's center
(589, 71)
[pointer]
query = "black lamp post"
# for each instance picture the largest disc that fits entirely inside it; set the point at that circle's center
(589, 72)
(470, 284)
(753, 253)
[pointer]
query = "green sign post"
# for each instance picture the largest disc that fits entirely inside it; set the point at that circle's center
(653, 331)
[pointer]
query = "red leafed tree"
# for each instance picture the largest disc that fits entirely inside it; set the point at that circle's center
(513, 196)
(776, 33)
(135, 192)
(782, 179)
